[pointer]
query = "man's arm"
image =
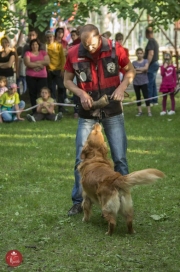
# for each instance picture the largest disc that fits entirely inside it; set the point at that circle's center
(118, 94)
(150, 55)
(86, 100)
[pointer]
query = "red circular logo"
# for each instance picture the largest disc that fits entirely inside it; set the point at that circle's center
(14, 258)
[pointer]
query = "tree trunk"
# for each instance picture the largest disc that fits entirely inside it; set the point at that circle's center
(137, 21)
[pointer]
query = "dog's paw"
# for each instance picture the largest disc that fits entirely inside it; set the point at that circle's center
(108, 233)
(85, 219)
(132, 231)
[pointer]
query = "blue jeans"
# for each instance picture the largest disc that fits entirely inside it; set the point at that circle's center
(152, 88)
(116, 136)
(22, 79)
(7, 116)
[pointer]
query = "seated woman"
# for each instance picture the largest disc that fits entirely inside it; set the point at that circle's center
(7, 59)
(9, 102)
(36, 61)
(45, 108)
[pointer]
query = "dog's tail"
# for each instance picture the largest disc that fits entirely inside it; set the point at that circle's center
(141, 177)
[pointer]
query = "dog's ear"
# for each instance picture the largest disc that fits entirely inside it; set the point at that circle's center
(84, 152)
(104, 150)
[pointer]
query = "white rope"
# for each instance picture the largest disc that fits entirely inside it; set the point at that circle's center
(73, 105)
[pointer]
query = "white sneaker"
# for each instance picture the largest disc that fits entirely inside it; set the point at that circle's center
(58, 116)
(163, 113)
(171, 112)
(67, 101)
(30, 118)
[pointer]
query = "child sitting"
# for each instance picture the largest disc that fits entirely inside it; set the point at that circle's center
(168, 73)
(9, 102)
(3, 84)
(45, 108)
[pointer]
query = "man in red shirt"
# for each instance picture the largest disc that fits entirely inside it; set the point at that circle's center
(95, 62)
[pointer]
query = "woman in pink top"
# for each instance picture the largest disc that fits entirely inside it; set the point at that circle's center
(36, 61)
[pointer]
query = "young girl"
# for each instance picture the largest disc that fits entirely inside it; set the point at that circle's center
(168, 73)
(141, 80)
(45, 108)
(3, 84)
(9, 102)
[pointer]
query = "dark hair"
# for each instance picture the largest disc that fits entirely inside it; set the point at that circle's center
(5, 38)
(47, 89)
(106, 34)
(74, 31)
(4, 79)
(33, 41)
(33, 30)
(79, 29)
(149, 30)
(90, 28)
(57, 29)
(139, 49)
(119, 36)
(19, 50)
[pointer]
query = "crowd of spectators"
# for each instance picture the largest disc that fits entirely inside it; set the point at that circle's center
(37, 65)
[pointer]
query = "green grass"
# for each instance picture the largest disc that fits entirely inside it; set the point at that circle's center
(36, 179)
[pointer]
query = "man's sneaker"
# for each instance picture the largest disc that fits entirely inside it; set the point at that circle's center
(163, 113)
(171, 112)
(139, 114)
(76, 208)
(58, 116)
(149, 114)
(67, 101)
(156, 104)
(30, 118)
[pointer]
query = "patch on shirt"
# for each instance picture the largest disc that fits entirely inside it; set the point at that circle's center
(111, 67)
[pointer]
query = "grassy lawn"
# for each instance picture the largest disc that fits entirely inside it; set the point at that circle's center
(36, 179)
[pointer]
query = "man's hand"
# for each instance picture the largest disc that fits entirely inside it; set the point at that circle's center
(86, 100)
(118, 94)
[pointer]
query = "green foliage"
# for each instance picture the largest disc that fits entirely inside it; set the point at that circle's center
(36, 179)
(161, 12)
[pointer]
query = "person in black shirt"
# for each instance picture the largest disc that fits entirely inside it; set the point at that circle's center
(7, 59)
(152, 54)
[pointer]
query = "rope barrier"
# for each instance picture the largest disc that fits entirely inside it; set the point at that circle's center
(73, 105)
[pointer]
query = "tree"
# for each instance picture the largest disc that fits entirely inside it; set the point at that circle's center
(39, 12)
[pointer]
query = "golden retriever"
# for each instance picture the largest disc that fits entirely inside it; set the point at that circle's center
(102, 185)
